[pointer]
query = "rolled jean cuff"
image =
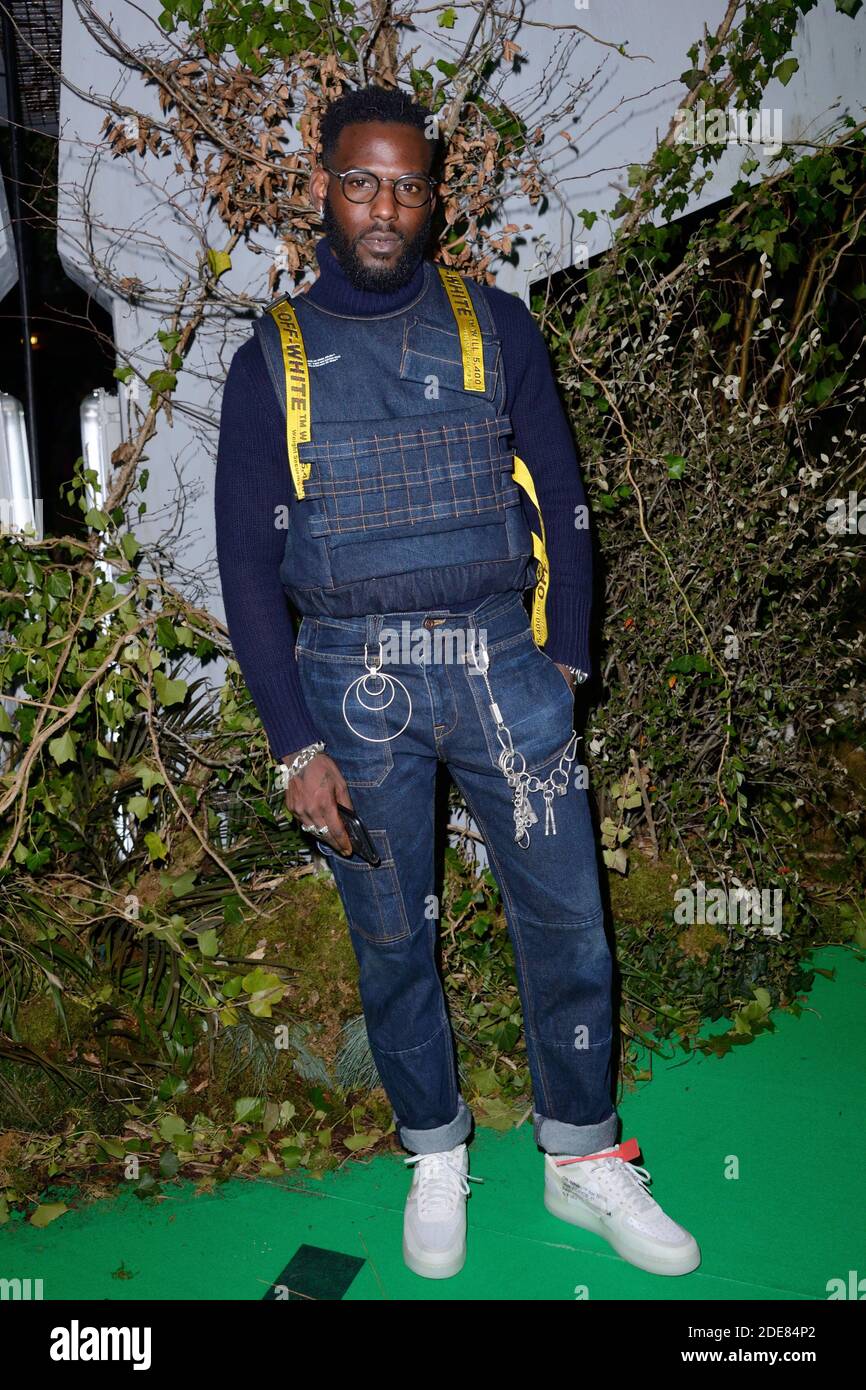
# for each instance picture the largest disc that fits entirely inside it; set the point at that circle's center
(440, 1139)
(558, 1138)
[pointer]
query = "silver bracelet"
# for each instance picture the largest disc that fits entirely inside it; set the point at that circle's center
(579, 676)
(300, 761)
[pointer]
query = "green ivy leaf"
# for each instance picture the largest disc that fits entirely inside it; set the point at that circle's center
(183, 884)
(839, 180)
(247, 1109)
(149, 776)
(47, 1212)
(688, 663)
(616, 859)
(692, 78)
(623, 205)
(62, 749)
(219, 261)
(129, 545)
(168, 1164)
(821, 390)
(785, 70)
(113, 1148)
(356, 1143)
(166, 633)
(207, 943)
(155, 846)
(170, 692)
(259, 1004)
(496, 1113)
(170, 1126)
(161, 381)
(485, 1080)
(147, 1186)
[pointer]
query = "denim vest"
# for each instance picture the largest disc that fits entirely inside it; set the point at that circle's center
(409, 502)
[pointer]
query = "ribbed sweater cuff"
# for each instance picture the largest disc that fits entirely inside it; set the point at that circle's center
(568, 616)
(284, 714)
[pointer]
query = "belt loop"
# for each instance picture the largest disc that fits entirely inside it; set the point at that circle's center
(372, 644)
(480, 659)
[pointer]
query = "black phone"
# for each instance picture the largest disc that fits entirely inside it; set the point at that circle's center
(358, 835)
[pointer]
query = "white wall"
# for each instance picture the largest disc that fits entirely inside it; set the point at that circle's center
(8, 263)
(632, 100)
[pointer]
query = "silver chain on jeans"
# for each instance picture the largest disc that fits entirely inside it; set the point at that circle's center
(521, 781)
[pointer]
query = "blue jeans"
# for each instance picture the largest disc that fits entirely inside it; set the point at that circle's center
(550, 890)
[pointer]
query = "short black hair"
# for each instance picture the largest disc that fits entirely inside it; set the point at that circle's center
(372, 103)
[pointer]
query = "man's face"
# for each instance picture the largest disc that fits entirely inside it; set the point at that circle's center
(389, 150)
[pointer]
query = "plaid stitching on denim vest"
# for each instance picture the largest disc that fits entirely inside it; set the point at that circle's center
(443, 472)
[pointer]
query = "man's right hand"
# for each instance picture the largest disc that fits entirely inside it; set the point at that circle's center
(312, 795)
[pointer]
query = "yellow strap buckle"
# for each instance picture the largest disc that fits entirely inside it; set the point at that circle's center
(523, 478)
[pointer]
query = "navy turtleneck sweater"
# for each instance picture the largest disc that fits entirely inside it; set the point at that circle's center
(253, 479)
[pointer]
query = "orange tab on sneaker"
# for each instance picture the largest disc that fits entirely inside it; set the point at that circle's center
(630, 1149)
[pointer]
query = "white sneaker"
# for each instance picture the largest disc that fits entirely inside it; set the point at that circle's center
(605, 1194)
(434, 1221)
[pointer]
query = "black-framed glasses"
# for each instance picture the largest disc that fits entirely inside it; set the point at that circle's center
(362, 185)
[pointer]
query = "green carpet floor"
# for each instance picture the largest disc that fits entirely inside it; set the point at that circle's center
(788, 1109)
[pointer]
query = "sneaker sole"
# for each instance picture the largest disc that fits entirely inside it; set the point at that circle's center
(681, 1262)
(432, 1264)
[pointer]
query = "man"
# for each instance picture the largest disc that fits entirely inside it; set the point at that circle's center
(374, 413)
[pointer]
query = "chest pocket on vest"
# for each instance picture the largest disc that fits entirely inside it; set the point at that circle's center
(374, 476)
(432, 356)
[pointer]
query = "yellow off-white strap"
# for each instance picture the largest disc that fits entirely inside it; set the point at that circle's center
(297, 390)
(467, 327)
(473, 380)
(523, 478)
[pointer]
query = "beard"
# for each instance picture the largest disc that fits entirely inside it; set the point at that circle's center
(382, 279)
